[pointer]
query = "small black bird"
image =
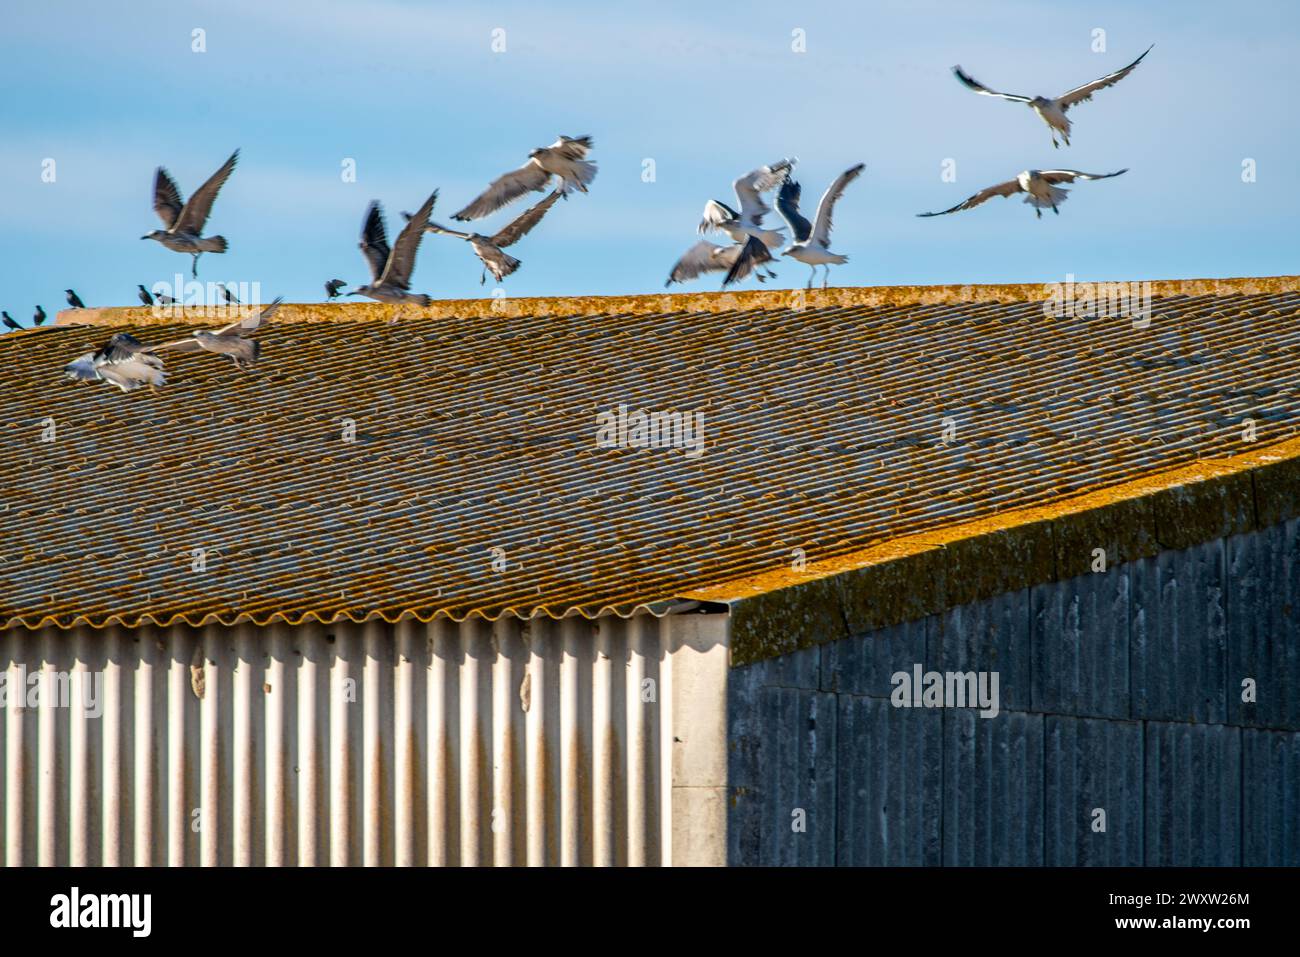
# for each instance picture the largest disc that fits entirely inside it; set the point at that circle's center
(74, 300)
(229, 296)
(39, 316)
(8, 321)
(333, 286)
(144, 296)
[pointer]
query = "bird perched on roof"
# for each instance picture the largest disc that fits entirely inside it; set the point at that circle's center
(390, 270)
(1038, 185)
(1052, 111)
(738, 260)
(8, 320)
(333, 286)
(226, 294)
(565, 158)
(121, 361)
(38, 317)
(144, 296)
(228, 340)
(489, 248)
(74, 300)
(165, 301)
(812, 241)
(184, 222)
(719, 217)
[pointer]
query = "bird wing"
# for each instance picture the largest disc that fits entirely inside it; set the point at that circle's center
(374, 239)
(252, 322)
(751, 254)
(167, 202)
(971, 83)
(180, 345)
(1081, 93)
(750, 187)
(401, 262)
(82, 367)
(521, 227)
(821, 232)
(703, 257)
(714, 215)
(1070, 175)
(195, 214)
(443, 230)
(529, 178)
(573, 147)
(787, 204)
(118, 348)
(1009, 188)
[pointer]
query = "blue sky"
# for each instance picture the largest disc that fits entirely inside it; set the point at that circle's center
(415, 94)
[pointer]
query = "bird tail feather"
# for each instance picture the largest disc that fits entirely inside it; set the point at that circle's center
(212, 244)
(583, 173)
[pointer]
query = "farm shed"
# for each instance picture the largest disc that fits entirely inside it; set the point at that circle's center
(388, 599)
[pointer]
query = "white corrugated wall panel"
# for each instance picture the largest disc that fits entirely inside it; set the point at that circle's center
(504, 743)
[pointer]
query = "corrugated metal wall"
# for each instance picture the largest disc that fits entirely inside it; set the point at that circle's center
(1120, 691)
(476, 743)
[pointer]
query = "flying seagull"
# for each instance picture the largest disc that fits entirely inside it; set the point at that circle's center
(812, 241)
(738, 260)
(489, 249)
(39, 316)
(1052, 111)
(333, 286)
(565, 158)
(122, 361)
(184, 222)
(9, 320)
(390, 271)
(719, 217)
(74, 300)
(144, 296)
(228, 340)
(1038, 185)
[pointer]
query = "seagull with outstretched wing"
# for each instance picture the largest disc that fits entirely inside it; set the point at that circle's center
(812, 240)
(737, 260)
(565, 158)
(184, 222)
(391, 269)
(121, 361)
(1052, 110)
(1039, 186)
(719, 217)
(229, 340)
(490, 249)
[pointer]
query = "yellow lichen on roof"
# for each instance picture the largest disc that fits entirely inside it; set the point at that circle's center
(382, 462)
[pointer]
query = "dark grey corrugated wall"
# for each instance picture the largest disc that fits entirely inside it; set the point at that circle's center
(1120, 694)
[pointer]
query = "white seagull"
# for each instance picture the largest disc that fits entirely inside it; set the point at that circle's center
(738, 259)
(1039, 187)
(390, 269)
(228, 340)
(489, 248)
(1052, 111)
(719, 217)
(565, 158)
(122, 361)
(812, 241)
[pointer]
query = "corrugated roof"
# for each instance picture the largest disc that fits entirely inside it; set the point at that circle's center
(475, 432)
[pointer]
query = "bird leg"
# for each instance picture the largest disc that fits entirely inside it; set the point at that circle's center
(827, 277)
(812, 277)
(194, 267)
(1055, 210)
(1038, 212)
(482, 279)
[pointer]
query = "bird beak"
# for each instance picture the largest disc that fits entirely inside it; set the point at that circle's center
(144, 237)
